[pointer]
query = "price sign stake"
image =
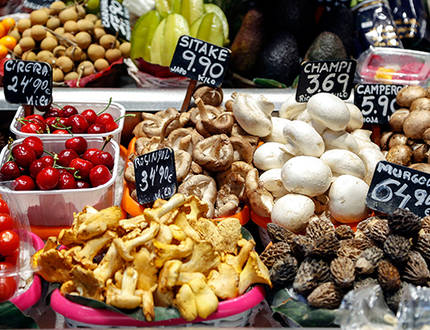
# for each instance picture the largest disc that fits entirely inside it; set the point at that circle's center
(28, 82)
(335, 77)
(155, 175)
(376, 101)
(115, 18)
(394, 186)
(201, 61)
(37, 4)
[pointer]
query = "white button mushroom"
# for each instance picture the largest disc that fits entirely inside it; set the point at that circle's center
(306, 175)
(293, 212)
(329, 110)
(344, 162)
(253, 114)
(370, 157)
(271, 155)
(290, 109)
(340, 140)
(277, 134)
(356, 119)
(303, 139)
(272, 181)
(362, 136)
(348, 199)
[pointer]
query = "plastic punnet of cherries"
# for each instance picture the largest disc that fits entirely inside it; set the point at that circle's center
(74, 167)
(67, 120)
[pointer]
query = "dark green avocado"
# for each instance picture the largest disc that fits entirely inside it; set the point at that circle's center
(327, 46)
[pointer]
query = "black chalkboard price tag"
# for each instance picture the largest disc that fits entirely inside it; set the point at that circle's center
(394, 186)
(200, 60)
(155, 175)
(335, 77)
(27, 82)
(37, 4)
(377, 102)
(115, 18)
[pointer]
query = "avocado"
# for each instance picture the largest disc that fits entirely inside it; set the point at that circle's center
(327, 46)
(248, 43)
(280, 59)
(339, 20)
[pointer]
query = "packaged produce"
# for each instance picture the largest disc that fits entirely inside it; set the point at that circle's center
(327, 262)
(170, 256)
(80, 183)
(393, 66)
(73, 118)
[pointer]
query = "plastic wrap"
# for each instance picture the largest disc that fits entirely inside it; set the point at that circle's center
(365, 308)
(414, 308)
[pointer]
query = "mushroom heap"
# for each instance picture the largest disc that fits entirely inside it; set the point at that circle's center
(327, 262)
(213, 154)
(170, 256)
(408, 142)
(316, 158)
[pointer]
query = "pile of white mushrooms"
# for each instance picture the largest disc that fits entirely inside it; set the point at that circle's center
(315, 159)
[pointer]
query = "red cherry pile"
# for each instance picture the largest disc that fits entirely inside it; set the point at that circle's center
(9, 251)
(67, 120)
(74, 167)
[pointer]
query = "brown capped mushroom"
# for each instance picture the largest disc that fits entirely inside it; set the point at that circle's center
(226, 203)
(422, 103)
(420, 152)
(243, 150)
(416, 123)
(397, 139)
(214, 153)
(235, 178)
(184, 139)
(399, 154)
(426, 136)
(385, 138)
(238, 131)
(153, 123)
(209, 95)
(424, 167)
(182, 164)
(397, 119)
(260, 199)
(408, 94)
(220, 124)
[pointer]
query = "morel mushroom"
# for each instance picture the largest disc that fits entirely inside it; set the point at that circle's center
(423, 244)
(377, 229)
(388, 276)
(425, 224)
(344, 232)
(393, 298)
(325, 245)
(283, 271)
(278, 233)
(311, 272)
(343, 272)
(364, 282)
(397, 248)
(274, 252)
(326, 295)
(404, 222)
(214, 153)
(368, 260)
(318, 227)
(301, 246)
(416, 270)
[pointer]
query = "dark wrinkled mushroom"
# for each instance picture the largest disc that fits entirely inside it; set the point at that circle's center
(182, 164)
(221, 124)
(214, 153)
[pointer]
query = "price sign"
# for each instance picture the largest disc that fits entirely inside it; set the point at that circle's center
(37, 4)
(155, 175)
(200, 60)
(394, 186)
(376, 101)
(335, 77)
(27, 82)
(115, 18)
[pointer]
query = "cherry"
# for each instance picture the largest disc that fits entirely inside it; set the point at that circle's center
(82, 184)
(47, 160)
(32, 128)
(60, 131)
(47, 178)
(23, 155)
(34, 143)
(102, 158)
(99, 175)
(90, 115)
(35, 116)
(66, 156)
(63, 122)
(54, 112)
(36, 166)
(82, 166)
(51, 121)
(36, 119)
(43, 108)
(24, 182)
(77, 143)
(111, 126)
(105, 118)
(10, 170)
(96, 129)
(79, 124)
(89, 153)
(66, 181)
(69, 110)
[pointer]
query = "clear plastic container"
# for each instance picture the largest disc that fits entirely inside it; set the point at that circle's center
(115, 109)
(55, 207)
(393, 66)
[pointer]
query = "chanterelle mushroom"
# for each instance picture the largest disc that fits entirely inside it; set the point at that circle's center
(214, 153)
(126, 297)
(255, 271)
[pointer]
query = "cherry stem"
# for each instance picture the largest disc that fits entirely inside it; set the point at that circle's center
(67, 128)
(107, 140)
(9, 147)
(127, 115)
(107, 107)
(52, 154)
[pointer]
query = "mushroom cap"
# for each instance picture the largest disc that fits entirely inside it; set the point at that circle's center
(306, 175)
(302, 139)
(290, 109)
(270, 155)
(272, 181)
(329, 110)
(356, 119)
(293, 211)
(277, 134)
(348, 199)
(344, 162)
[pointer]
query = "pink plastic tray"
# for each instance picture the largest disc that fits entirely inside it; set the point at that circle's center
(28, 298)
(95, 316)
